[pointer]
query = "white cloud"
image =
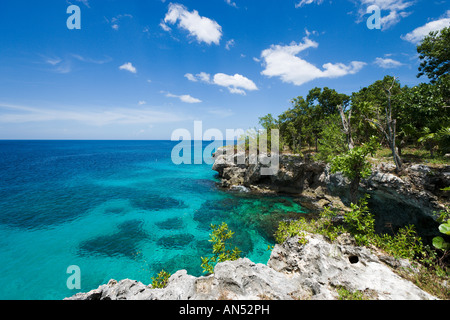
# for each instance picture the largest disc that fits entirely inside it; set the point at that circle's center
(115, 20)
(230, 44)
(305, 2)
(190, 77)
(387, 63)
(101, 117)
(128, 67)
(165, 27)
(231, 3)
(418, 34)
(184, 98)
(202, 28)
(396, 10)
(205, 77)
(202, 76)
(236, 84)
(283, 62)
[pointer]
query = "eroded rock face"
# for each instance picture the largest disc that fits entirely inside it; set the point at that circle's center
(413, 197)
(294, 271)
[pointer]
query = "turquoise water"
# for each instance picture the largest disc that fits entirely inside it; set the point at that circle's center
(117, 210)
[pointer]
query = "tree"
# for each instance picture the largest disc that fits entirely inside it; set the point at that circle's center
(354, 165)
(346, 124)
(385, 121)
(321, 104)
(333, 140)
(434, 53)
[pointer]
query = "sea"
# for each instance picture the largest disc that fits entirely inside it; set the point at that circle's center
(116, 210)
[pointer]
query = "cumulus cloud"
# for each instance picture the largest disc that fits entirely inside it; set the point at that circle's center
(236, 84)
(128, 67)
(201, 28)
(419, 33)
(283, 62)
(387, 63)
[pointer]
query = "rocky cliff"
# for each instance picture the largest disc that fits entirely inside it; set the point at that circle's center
(413, 197)
(314, 271)
(318, 269)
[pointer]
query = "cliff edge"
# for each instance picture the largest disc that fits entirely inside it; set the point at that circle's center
(314, 271)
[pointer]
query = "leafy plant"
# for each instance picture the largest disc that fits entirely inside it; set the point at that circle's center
(291, 229)
(220, 238)
(439, 242)
(345, 294)
(161, 280)
(404, 244)
(354, 165)
(434, 54)
(360, 222)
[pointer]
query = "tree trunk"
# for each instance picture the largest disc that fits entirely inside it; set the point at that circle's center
(347, 127)
(391, 129)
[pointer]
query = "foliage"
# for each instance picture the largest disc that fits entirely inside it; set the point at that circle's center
(345, 294)
(333, 140)
(291, 229)
(404, 244)
(440, 139)
(434, 52)
(354, 165)
(439, 242)
(220, 239)
(360, 222)
(161, 280)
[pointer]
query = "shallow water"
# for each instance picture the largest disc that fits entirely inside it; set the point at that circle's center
(116, 209)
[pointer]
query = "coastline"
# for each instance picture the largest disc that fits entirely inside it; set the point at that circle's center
(283, 278)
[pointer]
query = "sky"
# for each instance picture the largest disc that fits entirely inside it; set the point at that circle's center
(141, 69)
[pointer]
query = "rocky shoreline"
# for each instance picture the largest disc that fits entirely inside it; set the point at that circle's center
(412, 197)
(314, 271)
(317, 269)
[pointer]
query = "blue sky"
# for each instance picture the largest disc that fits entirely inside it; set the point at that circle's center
(142, 69)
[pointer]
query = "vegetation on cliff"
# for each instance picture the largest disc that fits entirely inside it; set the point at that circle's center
(402, 118)
(345, 130)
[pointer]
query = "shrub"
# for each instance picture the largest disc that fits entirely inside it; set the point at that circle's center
(161, 280)
(221, 251)
(291, 229)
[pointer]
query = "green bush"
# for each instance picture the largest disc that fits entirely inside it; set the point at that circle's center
(221, 251)
(291, 229)
(404, 244)
(161, 280)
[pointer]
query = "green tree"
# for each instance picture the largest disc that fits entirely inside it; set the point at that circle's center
(322, 103)
(382, 103)
(333, 140)
(434, 53)
(354, 165)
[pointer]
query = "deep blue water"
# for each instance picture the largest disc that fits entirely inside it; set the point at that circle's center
(116, 209)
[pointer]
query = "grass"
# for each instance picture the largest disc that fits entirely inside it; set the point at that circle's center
(414, 156)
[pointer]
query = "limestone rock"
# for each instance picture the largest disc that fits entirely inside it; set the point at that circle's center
(294, 271)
